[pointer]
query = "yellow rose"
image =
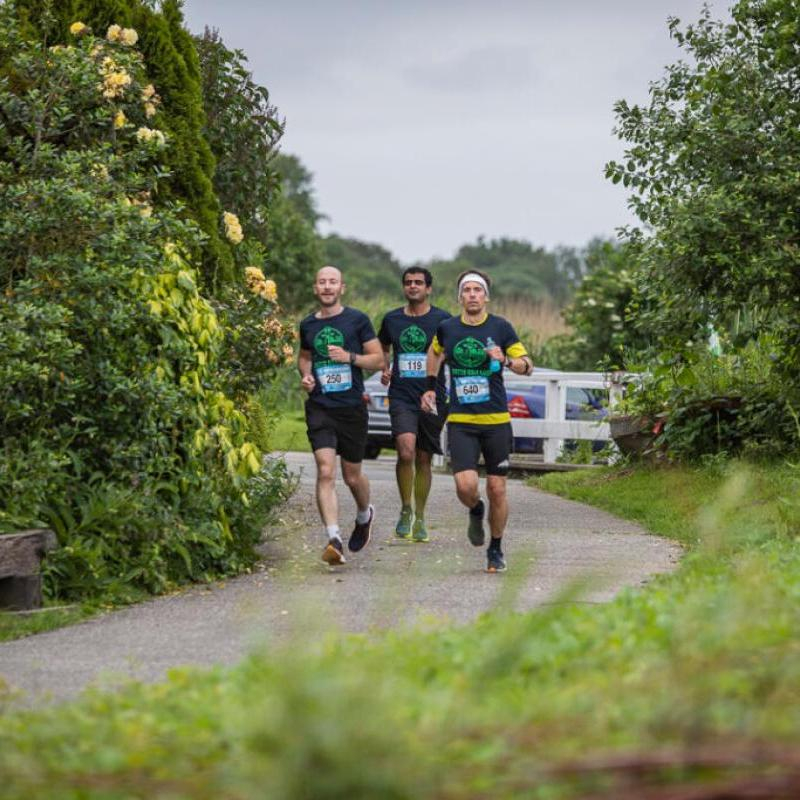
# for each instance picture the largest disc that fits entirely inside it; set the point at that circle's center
(119, 119)
(78, 28)
(233, 229)
(148, 91)
(254, 274)
(113, 33)
(128, 36)
(149, 110)
(270, 290)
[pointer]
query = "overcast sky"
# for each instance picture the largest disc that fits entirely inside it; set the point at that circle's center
(427, 123)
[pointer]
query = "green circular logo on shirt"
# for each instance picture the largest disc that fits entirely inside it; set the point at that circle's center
(413, 340)
(325, 337)
(470, 352)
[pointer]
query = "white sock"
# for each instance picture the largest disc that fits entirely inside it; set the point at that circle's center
(333, 532)
(363, 516)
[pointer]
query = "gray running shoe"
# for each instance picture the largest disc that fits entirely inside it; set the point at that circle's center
(494, 560)
(475, 531)
(333, 554)
(420, 531)
(403, 528)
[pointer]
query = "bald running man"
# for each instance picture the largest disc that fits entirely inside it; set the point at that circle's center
(336, 344)
(476, 346)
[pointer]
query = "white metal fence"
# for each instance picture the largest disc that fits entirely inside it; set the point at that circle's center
(555, 428)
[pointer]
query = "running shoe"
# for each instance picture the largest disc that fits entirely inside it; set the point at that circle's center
(403, 528)
(361, 532)
(420, 531)
(333, 554)
(475, 532)
(494, 560)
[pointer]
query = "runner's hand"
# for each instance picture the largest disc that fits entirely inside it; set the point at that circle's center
(307, 383)
(428, 401)
(338, 354)
(496, 353)
(386, 376)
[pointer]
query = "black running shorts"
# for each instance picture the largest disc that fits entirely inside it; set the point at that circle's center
(426, 427)
(343, 429)
(467, 442)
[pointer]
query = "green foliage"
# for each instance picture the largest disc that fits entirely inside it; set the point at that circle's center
(297, 187)
(713, 161)
(171, 62)
(542, 705)
(114, 429)
(728, 404)
(517, 269)
(369, 269)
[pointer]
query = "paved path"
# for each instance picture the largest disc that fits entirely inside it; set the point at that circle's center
(550, 542)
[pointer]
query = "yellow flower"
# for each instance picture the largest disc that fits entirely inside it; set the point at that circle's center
(128, 36)
(148, 91)
(78, 28)
(146, 211)
(233, 228)
(100, 171)
(120, 119)
(113, 33)
(254, 275)
(149, 110)
(288, 351)
(114, 83)
(270, 290)
(151, 135)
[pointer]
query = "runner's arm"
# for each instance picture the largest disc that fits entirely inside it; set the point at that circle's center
(304, 367)
(372, 358)
(386, 375)
(518, 360)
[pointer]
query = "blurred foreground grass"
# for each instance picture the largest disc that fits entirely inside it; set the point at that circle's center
(692, 680)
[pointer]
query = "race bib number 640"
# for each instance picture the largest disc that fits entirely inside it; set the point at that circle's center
(335, 378)
(472, 389)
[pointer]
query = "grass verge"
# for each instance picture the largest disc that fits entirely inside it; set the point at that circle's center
(16, 625)
(288, 432)
(692, 681)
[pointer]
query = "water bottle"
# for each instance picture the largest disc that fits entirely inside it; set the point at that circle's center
(494, 364)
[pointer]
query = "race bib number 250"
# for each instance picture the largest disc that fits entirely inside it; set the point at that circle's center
(335, 378)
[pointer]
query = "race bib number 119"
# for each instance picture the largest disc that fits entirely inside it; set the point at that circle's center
(412, 365)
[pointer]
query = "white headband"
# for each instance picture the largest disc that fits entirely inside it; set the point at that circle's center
(472, 276)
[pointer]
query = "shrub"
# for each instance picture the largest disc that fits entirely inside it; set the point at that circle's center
(114, 428)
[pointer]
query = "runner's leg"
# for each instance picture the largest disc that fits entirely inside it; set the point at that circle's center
(357, 482)
(422, 481)
(326, 485)
(406, 444)
(498, 504)
(467, 487)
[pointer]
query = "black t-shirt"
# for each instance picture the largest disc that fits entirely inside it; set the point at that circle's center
(477, 393)
(337, 384)
(410, 337)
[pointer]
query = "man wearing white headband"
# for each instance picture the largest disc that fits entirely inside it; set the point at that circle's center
(476, 346)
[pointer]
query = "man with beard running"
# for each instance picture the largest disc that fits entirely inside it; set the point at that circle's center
(407, 332)
(336, 344)
(476, 346)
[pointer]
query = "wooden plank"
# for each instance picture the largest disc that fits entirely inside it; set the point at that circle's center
(21, 553)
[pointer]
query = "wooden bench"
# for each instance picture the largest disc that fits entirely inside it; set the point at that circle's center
(20, 567)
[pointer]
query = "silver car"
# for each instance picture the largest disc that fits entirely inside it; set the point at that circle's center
(379, 434)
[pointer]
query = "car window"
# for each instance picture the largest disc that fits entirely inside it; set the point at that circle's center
(585, 404)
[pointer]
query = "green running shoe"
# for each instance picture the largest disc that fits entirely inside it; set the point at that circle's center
(420, 531)
(475, 531)
(403, 528)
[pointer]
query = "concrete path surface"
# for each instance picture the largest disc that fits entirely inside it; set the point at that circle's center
(550, 543)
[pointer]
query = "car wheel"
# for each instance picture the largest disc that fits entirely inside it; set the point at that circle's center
(372, 450)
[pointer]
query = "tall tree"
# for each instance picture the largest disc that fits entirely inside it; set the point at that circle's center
(713, 161)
